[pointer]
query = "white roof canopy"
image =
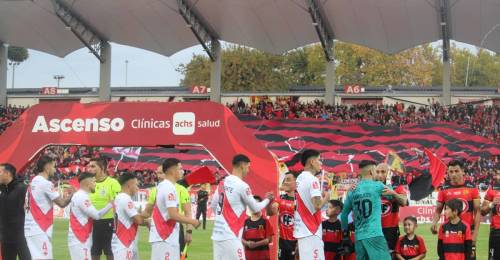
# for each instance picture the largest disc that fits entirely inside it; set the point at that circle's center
(274, 26)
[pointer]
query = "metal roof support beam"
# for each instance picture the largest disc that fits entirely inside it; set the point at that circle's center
(330, 80)
(105, 73)
(323, 29)
(201, 30)
(215, 75)
(3, 74)
(81, 29)
(445, 35)
(326, 36)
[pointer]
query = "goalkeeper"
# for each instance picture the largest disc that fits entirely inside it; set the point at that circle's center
(365, 201)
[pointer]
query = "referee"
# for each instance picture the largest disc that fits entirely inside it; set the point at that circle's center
(106, 190)
(12, 193)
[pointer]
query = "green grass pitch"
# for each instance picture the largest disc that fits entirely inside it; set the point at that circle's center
(201, 248)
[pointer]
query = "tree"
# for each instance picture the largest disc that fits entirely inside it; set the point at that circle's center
(17, 54)
(246, 69)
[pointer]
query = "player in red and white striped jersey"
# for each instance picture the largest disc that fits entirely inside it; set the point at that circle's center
(229, 204)
(39, 217)
(309, 201)
(127, 220)
(164, 232)
(82, 214)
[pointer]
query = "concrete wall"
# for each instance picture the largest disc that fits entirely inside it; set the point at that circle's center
(22, 101)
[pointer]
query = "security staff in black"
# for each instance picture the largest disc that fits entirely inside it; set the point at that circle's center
(12, 193)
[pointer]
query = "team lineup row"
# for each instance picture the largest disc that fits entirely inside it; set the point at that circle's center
(103, 208)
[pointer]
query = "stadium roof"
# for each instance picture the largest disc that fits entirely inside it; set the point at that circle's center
(273, 26)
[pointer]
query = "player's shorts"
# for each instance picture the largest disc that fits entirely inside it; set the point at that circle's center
(102, 234)
(374, 248)
(40, 246)
(231, 249)
(162, 250)
(391, 236)
(126, 254)
(80, 252)
(311, 247)
(286, 249)
(494, 244)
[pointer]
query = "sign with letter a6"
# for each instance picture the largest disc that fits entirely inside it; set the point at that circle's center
(356, 89)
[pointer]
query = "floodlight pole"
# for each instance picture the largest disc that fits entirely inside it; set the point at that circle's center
(92, 39)
(445, 35)
(326, 37)
(3, 74)
(208, 39)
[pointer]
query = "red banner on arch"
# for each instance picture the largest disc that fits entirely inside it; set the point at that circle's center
(140, 124)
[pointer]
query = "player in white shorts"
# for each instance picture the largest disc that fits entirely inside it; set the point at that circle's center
(82, 214)
(127, 220)
(39, 216)
(309, 201)
(165, 218)
(229, 204)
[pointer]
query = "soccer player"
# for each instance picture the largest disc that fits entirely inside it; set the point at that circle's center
(39, 216)
(390, 207)
(184, 206)
(82, 214)
(229, 204)
(364, 201)
(257, 235)
(467, 193)
(309, 201)
(410, 246)
(332, 230)
(491, 204)
(106, 190)
(166, 219)
(284, 206)
(127, 219)
(454, 240)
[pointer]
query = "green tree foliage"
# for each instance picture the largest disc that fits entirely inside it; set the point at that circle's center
(246, 69)
(17, 54)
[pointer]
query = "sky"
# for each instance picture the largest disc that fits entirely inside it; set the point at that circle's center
(81, 68)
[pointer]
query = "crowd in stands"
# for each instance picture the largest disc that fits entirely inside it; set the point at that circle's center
(484, 120)
(8, 115)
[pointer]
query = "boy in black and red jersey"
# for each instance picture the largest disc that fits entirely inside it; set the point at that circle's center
(410, 246)
(467, 193)
(491, 204)
(332, 230)
(257, 235)
(455, 240)
(285, 206)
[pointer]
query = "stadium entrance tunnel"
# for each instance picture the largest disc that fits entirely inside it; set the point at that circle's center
(141, 124)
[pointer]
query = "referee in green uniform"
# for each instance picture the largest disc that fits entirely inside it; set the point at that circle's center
(106, 190)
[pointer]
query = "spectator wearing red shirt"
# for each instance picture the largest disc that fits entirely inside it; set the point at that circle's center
(454, 240)
(257, 234)
(410, 246)
(491, 204)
